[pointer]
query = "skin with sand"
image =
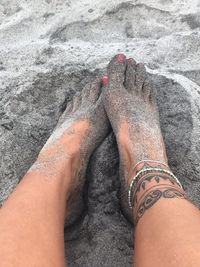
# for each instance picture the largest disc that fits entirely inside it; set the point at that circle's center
(129, 99)
(85, 123)
(48, 192)
(130, 102)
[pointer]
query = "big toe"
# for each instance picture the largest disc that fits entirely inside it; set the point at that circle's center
(116, 70)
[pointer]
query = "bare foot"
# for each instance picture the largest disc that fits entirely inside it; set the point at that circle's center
(81, 128)
(130, 102)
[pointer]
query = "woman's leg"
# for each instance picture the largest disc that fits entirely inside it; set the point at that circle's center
(32, 219)
(167, 231)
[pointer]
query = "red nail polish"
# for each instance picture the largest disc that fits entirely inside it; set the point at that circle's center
(121, 58)
(104, 81)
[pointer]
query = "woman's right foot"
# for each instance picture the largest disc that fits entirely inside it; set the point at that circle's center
(130, 103)
(80, 130)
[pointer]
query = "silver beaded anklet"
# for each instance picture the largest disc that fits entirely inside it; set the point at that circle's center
(145, 170)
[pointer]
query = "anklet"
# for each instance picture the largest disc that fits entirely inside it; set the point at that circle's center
(149, 160)
(133, 185)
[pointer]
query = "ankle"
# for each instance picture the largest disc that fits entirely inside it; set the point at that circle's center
(133, 163)
(134, 169)
(149, 185)
(149, 163)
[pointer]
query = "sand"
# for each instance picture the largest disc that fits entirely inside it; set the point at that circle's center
(49, 50)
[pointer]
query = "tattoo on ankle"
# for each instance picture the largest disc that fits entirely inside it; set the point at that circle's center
(143, 183)
(152, 193)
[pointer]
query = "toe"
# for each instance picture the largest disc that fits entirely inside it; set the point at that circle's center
(147, 88)
(149, 91)
(130, 74)
(105, 81)
(95, 90)
(153, 95)
(116, 70)
(76, 101)
(65, 113)
(140, 77)
(69, 107)
(92, 90)
(86, 91)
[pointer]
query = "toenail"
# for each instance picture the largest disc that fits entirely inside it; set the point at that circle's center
(104, 81)
(130, 59)
(121, 58)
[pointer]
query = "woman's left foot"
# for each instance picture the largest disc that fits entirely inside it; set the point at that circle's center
(130, 102)
(81, 128)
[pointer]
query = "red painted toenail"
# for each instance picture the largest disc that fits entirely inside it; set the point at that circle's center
(104, 81)
(121, 58)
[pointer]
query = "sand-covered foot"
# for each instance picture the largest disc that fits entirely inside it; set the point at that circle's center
(130, 102)
(81, 128)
